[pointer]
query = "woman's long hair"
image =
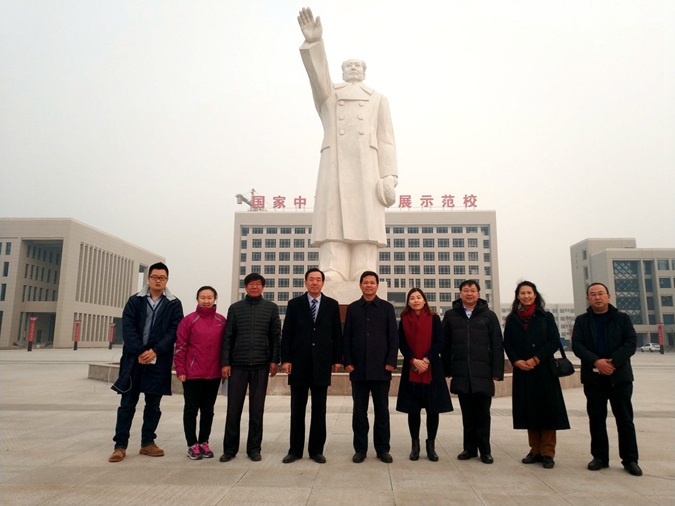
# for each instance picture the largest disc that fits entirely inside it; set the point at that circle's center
(538, 299)
(407, 307)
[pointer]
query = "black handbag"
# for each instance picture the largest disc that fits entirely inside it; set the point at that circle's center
(561, 367)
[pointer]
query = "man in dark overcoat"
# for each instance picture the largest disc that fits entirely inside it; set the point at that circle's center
(474, 357)
(149, 321)
(311, 347)
(370, 353)
(604, 339)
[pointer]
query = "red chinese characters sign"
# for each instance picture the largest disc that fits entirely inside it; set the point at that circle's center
(447, 201)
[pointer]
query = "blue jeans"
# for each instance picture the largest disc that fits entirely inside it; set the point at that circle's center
(125, 415)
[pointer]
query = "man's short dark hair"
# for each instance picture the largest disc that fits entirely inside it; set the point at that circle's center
(469, 282)
(254, 276)
(594, 284)
(158, 267)
(369, 273)
(315, 269)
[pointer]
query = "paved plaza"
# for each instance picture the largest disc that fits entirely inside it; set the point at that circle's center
(56, 429)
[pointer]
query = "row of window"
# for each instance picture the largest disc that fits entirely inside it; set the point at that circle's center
(8, 248)
(284, 256)
(273, 230)
(397, 283)
(37, 273)
(285, 297)
(485, 230)
(45, 255)
(430, 256)
(35, 293)
(457, 270)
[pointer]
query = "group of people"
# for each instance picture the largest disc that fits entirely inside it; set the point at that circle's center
(246, 347)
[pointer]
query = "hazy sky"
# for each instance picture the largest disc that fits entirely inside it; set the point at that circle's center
(144, 119)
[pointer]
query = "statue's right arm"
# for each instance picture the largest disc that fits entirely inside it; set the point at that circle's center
(314, 58)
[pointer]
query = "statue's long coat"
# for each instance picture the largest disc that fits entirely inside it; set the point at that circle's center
(357, 151)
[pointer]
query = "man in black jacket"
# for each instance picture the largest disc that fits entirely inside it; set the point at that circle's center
(474, 357)
(250, 351)
(311, 347)
(370, 352)
(150, 320)
(604, 339)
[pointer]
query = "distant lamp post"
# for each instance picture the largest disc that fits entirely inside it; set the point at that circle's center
(76, 337)
(31, 332)
(110, 337)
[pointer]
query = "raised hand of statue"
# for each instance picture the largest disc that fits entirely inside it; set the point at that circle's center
(311, 28)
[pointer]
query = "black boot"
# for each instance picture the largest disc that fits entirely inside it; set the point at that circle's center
(415, 452)
(431, 450)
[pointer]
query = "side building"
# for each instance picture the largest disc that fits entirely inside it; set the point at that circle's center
(641, 283)
(61, 271)
(433, 250)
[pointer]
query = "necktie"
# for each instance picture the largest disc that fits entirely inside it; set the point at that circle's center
(313, 308)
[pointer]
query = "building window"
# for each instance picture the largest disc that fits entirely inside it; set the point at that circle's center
(270, 256)
(486, 244)
(313, 256)
(663, 282)
(414, 269)
(243, 244)
(430, 269)
(413, 256)
(255, 268)
(399, 243)
(256, 243)
(444, 243)
(459, 270)
(270, 269)
(443, 256)
(472, 243)
(413, 243)
(284, 269)
(299, 256)
(473, 270)
(385, 269)
(284, 243)
(647, 266)
(399, 269)
(299, 230)
(457, 283)
(443, 283)
(487, 270)
(385, 256)
(413, 230)
(662, 265)
(257, 230)
(457, 230)
(5, 269)
(427, 230)
(458, 243)
(485, 230)
(399, 256)
(298, 269)
(471, 230)
(445, 297)
(285, 230)
(271, 230)
(458, 256)
(431, 296)
(298, 282)
(3, 291)
(584, 255)
(282, 296)
(428, 243)
(429, 283)
(473, 256)
(444, 269)
(244, 231)
(399, 230)
(667, 300)
(429, 256)
(285, 256)
(242, 257)
(242, 271)
(650, 303)
(486, 257)
(283, 282)
(256, 256)
(651, 319)
(270, 243)
(668, 319)
(298, 243)
(488, 284)
(441, 230)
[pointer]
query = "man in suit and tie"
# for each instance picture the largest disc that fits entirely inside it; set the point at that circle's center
(311, 346)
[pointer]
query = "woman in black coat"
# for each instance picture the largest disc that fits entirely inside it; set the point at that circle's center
(531, 338)
(422, 380)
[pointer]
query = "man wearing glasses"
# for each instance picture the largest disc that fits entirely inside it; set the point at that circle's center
(604, 339)
(149, 321)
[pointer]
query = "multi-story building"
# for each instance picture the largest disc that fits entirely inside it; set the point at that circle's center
(564, 318)
(641, 283)
(67, 275)
(433, 250)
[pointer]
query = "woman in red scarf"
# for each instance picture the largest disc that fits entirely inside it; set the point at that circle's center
(422, 380)
(531, 338)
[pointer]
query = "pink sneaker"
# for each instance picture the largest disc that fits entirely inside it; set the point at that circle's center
(206, 451)
(194, 453)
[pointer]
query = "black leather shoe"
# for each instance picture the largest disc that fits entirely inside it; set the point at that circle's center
(431, 450)
(415, 451)
(531, 458)
(289, 459)
(358, 458)
(549, 463)
(385, 457)
(597, 464)
(255, 457)
(226, 457)
(486, 458)
(466, 455)
(318, 458)
(633, 468)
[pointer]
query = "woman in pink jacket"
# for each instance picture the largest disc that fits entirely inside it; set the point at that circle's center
(197, 359)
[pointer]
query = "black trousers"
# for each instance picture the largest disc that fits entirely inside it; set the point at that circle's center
(317, 427)
(256, 382)
(127, 409)
(200, 396)
(619, 397)
(476, 421)
(361, 390)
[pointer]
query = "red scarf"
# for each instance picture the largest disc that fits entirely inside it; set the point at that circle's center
(526, 314)
(417, 329)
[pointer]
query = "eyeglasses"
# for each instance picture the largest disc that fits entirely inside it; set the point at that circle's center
(158, 278)
(597, 294)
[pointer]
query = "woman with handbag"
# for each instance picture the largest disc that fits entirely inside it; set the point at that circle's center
(422, 379)
(531, 338)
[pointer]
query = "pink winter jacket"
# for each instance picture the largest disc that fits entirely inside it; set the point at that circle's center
(198, 343)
